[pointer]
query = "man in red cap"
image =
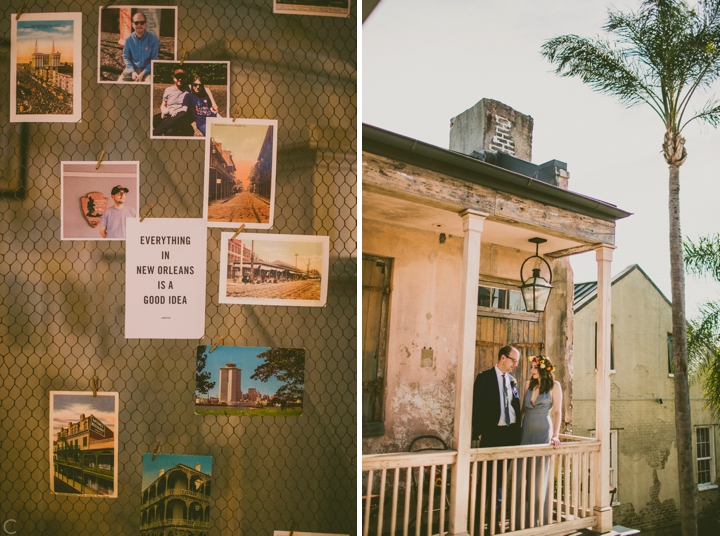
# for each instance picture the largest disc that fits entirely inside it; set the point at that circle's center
(112, 223)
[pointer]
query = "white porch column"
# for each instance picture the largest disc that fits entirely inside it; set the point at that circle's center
(601, 469)
(472, 227)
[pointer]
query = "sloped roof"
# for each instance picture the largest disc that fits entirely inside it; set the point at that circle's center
(585, 293)
(401, 148)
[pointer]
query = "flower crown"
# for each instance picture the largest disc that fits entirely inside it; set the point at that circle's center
(541, 362)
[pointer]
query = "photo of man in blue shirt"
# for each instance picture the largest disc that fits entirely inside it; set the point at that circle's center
(141, 47)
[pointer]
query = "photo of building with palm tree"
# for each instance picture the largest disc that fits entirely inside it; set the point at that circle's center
(250, 380)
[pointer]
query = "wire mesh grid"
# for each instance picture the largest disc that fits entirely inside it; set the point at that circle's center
(62, 301)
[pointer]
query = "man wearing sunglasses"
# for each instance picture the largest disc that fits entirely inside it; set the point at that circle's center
(141, 47)
(174, 119)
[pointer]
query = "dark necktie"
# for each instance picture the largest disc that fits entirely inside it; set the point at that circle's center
(505, 400)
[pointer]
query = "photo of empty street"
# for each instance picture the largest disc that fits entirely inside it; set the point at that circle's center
(240, 173)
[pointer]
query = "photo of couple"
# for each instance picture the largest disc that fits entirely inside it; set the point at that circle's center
(185, 94)
(501, 417)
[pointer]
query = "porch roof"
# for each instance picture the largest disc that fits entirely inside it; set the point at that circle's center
(414, 152)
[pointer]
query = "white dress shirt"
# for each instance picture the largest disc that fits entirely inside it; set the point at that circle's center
(506, 386)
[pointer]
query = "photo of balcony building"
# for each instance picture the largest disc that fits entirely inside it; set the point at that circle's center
(177, 502)
(84, 458)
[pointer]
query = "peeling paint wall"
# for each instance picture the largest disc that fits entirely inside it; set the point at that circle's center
(424, 313)
(647, 453)
(558, 321)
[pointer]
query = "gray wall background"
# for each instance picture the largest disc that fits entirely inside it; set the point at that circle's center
(62, 307)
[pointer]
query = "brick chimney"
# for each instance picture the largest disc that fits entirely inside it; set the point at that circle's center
(492, 126)
(495, 129)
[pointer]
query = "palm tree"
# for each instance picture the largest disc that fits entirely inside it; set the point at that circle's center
(703, 258)
(660, 55)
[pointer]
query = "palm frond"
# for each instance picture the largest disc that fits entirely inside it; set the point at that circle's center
(660, 54)
(703, 257)
(600, 66)
(703, 340)
(710, 114)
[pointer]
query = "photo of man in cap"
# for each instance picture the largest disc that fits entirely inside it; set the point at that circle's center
(112, 223)
(174, 119)
(141, 47)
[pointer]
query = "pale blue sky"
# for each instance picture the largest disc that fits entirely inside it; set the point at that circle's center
(151, 469)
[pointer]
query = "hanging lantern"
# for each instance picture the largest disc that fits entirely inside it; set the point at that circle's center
(535, 289)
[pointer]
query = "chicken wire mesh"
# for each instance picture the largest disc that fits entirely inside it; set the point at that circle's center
(62, 301)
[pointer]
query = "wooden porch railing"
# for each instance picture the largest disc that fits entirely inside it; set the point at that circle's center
(409, 494)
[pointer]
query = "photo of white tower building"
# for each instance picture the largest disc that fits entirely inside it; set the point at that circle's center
(230, 391)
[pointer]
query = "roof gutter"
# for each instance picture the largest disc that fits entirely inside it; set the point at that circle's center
(390, 145)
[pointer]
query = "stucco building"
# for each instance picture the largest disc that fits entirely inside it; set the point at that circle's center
(445, 235)
(644, 452)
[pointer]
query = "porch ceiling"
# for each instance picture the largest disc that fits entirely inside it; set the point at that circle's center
(389, 210)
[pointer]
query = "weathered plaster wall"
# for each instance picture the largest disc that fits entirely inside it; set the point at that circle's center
(558, 328)
(647, 453)
(424, 309)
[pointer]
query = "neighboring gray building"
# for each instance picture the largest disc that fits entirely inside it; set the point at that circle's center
(230, 391)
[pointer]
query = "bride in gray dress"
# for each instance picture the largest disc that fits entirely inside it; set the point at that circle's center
(542, 407)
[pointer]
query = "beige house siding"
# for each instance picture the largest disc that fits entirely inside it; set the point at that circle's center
(648, 493)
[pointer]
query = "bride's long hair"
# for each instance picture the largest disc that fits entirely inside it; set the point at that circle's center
(545, 368)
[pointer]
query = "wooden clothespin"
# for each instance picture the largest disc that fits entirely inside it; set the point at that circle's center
(236, 112)
(102, 155)
(146, 212)
(238, 231)
(182, 58)
(216, 344)
(157, 450)
(95, 382)
(21, 10)
(292, 528)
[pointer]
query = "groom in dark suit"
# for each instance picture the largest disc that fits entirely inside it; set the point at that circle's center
(496, 405)
(496, 415)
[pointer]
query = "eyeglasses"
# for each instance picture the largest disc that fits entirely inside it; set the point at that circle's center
(137, 22)
(197, 85)
(512, 359)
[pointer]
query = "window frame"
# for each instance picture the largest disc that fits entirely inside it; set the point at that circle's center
(612, 348)
(613, 463)
(711, 458)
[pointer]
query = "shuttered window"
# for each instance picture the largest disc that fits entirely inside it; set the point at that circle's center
(376, 277)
